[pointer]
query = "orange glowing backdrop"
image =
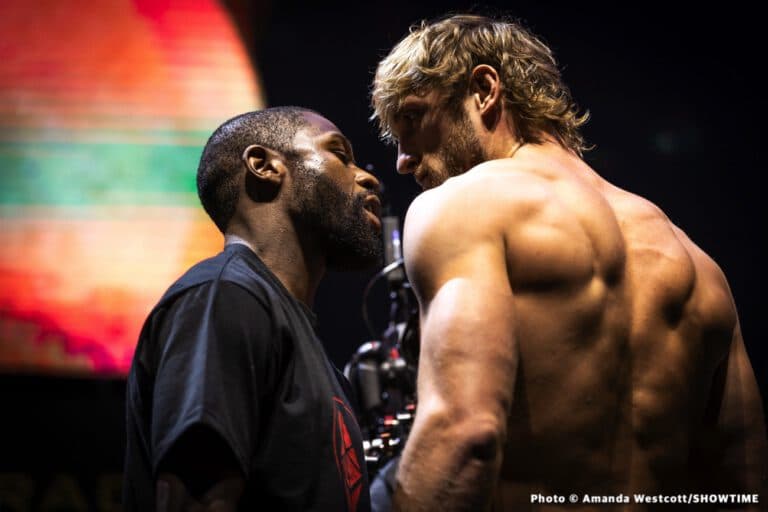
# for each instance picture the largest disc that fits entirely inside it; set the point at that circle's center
(104, 109)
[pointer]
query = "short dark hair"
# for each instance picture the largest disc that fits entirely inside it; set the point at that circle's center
(217, 184)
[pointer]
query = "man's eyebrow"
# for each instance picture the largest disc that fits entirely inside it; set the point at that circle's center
(411, 104)
(338, 137)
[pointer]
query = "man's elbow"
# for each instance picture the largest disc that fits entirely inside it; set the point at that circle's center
(481, 439)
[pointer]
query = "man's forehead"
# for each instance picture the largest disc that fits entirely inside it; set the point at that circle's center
(318, 124)
(317, 129)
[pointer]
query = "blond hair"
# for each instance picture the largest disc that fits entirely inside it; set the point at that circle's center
(441, 56)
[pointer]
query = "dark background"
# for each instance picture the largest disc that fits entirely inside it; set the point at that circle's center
(678, 110)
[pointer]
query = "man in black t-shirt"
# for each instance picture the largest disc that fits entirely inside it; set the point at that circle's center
(232, 403)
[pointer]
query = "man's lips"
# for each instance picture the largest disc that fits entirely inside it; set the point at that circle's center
(373, 219)
(372, 203)
(372, 207)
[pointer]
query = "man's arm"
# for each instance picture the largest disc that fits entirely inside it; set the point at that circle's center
(200, 473)
(739, 460)
(216, 363)
(468, 358)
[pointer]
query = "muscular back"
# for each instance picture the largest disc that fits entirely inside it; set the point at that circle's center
(622, 327)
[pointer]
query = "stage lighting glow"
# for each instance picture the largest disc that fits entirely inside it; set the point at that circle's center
(104, 110)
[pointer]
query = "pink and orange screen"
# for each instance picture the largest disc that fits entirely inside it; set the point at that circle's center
(104, 110)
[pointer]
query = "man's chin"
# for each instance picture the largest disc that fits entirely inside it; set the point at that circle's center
(432, 179)
(356, 248)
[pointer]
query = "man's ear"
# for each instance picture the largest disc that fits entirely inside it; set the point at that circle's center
(264, 164)
(485, 90)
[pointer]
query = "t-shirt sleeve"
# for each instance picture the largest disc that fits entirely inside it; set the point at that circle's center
(217, 358)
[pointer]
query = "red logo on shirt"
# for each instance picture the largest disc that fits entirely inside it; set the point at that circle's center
(346, 457)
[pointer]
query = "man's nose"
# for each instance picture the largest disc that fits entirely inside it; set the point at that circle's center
(406, 162)
(367, 180)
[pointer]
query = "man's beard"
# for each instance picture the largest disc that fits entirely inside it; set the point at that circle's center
(462, 150)
(335, 220)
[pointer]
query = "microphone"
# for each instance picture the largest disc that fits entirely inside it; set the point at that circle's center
(393, 250)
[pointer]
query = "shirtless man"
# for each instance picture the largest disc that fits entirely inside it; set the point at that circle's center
(573, 339)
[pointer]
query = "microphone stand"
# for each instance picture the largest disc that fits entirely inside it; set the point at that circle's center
(385, 380)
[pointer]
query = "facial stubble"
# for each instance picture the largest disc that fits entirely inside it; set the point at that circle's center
(334, 219)
(464, 150)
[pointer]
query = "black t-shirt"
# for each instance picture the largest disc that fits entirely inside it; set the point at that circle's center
(228, 348)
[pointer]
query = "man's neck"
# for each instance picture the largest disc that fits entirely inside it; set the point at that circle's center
(299, 267)
(230, 239)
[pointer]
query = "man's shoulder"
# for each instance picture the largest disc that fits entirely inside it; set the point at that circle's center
(463, 223)
(489, 198)
(229, 266)
(712, 293)
(648, 225)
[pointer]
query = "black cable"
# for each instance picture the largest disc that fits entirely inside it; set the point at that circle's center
(383, 272)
